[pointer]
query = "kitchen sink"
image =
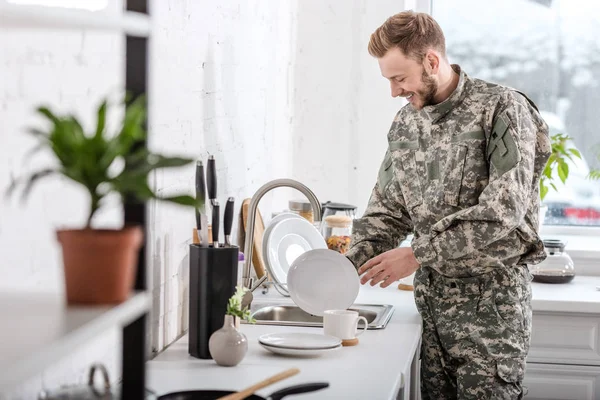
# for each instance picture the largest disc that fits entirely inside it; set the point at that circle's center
(377, 315)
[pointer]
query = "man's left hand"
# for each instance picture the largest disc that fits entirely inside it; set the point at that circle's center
(389, 267)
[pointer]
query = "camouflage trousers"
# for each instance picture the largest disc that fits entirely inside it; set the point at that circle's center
(476, 333)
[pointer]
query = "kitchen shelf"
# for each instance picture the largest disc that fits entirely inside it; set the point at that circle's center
(37, 16)
(39, 329)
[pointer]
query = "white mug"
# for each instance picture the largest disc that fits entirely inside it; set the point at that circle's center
(343, 324)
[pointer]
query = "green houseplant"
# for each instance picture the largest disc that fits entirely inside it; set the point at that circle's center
(100, 264)
(556, 166)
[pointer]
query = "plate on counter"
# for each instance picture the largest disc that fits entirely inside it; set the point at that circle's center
(286, 238)
(300, 340)
(323, 279)
(299, 352)
(299, 343)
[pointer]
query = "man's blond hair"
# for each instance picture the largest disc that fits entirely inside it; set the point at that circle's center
(413, 33)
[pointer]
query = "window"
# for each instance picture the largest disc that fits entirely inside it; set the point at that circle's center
(548, 49)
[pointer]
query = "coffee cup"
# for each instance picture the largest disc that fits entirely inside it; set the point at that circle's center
(343, 324)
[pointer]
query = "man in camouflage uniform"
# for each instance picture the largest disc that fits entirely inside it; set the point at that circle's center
(462, 173)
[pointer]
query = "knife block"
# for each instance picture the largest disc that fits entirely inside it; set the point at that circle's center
(213, 277)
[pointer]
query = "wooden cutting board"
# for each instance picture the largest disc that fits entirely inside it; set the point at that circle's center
(259, 231)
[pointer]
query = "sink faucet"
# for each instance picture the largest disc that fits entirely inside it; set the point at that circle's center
(247, 279)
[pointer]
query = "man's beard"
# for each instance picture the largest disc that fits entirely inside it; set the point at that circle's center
(430, 87)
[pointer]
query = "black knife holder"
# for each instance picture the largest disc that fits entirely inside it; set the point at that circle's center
(213, 277)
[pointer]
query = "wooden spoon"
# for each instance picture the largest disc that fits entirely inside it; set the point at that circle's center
(262, 384)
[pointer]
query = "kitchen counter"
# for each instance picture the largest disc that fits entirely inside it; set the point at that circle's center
(377, 368)
(578, 296)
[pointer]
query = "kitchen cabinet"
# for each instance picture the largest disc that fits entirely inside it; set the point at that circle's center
(564, 382)
(564, 357)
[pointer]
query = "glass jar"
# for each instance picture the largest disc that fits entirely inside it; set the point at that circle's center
(337, 230)
(302, 208)
(558, 267)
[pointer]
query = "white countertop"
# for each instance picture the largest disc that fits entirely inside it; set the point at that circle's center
(578, 296)
(374, 369)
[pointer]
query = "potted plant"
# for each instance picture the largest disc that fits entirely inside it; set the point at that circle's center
(100, 264)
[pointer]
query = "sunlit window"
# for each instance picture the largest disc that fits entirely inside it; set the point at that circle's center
(550, 50)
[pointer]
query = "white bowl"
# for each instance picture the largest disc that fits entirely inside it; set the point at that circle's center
(322, 279)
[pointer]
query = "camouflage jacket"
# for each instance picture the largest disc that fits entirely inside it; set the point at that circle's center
(463, 177)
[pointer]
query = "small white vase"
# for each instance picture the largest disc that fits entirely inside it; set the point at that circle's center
(228, 346)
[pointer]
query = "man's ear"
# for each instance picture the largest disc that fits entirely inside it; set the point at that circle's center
(431, 62)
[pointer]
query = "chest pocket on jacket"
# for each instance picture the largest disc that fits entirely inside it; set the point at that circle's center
(466, 171)
(404, 153)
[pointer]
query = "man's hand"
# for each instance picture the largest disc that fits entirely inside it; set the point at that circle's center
(389, 267)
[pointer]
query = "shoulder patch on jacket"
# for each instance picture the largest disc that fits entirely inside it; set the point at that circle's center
(502, 150)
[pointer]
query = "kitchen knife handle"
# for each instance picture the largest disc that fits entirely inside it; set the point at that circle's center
(215, 224)
(211, 179)
(200, 193)
(228, 217)
(200, 183)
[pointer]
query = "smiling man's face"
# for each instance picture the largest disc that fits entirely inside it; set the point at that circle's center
(408, 78)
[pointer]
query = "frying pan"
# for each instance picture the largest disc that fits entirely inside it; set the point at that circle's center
(215, 394)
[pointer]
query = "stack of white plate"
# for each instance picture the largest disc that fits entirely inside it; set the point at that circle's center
(288, 236)
(316, 278)
(299, 343)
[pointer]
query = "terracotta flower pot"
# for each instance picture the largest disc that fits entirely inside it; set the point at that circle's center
(99, 264)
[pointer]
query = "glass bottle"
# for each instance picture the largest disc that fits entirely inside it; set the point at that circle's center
(302, 208)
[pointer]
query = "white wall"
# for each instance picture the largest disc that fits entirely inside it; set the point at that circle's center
(221, 84)
(343, 107)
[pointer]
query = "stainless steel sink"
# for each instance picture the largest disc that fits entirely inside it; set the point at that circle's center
(377, 315)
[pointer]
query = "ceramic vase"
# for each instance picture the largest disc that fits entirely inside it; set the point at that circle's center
(228, 346)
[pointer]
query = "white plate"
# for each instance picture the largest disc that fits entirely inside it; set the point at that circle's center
(299, 353)
(300, 340)
(287, 240)
(265, 248)
(323, 279)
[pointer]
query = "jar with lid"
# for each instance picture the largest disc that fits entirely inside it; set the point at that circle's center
(558, 267)
(337, 230)
(302, 208)
(330, 208)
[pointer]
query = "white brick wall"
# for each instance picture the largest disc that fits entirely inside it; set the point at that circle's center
(220, 85)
